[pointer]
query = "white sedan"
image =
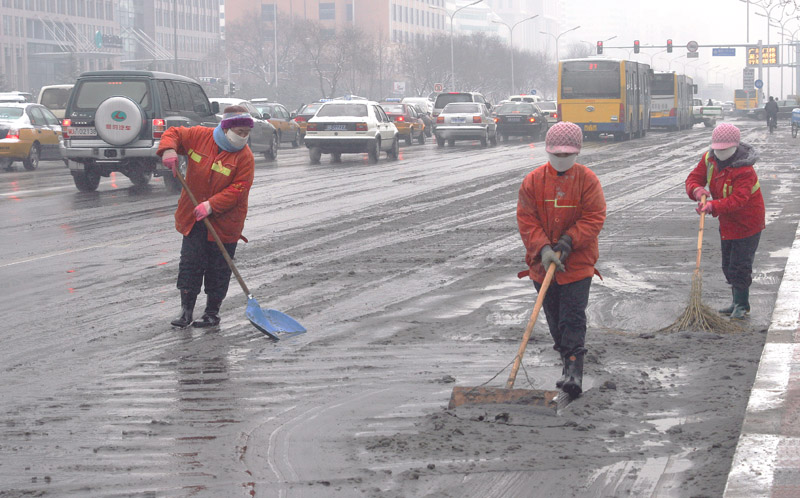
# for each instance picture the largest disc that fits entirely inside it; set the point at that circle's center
(465, 120)
(351, 127)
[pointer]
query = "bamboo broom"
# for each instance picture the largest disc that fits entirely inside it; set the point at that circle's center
(697, 315)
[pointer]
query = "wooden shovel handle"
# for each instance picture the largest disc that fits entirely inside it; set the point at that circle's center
(529, 328)
(216, 237)
(700, 235)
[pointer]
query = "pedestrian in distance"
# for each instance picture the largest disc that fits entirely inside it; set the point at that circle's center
(710, 102)
(561, 209)
(733, 195)
(219, 173)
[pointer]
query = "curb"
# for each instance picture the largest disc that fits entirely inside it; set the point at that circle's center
(767, 458)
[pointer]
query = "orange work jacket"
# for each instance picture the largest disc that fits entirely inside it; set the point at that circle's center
(551, 205)
(214, 175)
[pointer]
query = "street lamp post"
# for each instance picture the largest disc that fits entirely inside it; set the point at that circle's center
(511, 44)
(559, 36)
(768, 14)
(452, 57)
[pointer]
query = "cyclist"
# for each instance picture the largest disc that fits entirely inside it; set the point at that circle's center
(772, 111)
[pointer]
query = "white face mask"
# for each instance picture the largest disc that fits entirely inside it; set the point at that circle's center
(562, 164)
(723, 154)
(236, 140)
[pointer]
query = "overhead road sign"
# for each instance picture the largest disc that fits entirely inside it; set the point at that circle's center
(769, 55)
(723, 52)
(692, 46)
(692, 55)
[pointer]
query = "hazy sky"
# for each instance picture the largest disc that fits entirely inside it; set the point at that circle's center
(704, 21)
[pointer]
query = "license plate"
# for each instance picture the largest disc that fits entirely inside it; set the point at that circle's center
(83, 131)
(458, 120)
(589, 127)
(339, 127)
(513, 118)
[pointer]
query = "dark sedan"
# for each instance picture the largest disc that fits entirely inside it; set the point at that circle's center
(520, 119)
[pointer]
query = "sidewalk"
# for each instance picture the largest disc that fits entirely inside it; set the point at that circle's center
(767, 458)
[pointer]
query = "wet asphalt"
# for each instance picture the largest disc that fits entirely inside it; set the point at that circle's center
(404, 273)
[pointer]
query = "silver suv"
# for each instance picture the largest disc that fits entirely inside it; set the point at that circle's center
(446, 98)
(114, 121)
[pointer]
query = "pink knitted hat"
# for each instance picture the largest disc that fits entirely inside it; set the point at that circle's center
(725, 136)
(564, 138)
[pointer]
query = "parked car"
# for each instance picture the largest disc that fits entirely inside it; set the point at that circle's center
(282, 120)
(525, 98)
(465, 121)
(263, 138)
(351, 127)
(16, 96)
(516, 119)
(304, 114)
(550, 110)
(409, 125)
(28, 133)
(446, 98)
(424, 102)
(784, 110)
(114, 121)
(426, 118)
(55, 98)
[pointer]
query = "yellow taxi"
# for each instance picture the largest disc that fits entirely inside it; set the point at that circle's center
(28, 133)
(305, 113)
(281, 119)
(407, 120)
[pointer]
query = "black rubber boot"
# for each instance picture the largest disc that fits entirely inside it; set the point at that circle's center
(560, 382)
(211, 314)
(574, 366)
(187, 308)
(741, 300)
(729, 309)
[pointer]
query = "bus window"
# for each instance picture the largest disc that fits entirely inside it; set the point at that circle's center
(590, 80)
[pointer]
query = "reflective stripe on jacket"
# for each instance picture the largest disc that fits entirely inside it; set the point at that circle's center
(551, 205)
(736, 194)
(221, 178)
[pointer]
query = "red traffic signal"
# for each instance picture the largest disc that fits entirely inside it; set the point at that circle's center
(669, 46)
(635, 46)
(599, 48)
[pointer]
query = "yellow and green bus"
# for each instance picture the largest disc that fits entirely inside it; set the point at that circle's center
(671, 101)
(605, 96)
(745, 99)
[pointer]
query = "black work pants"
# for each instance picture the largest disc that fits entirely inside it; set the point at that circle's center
(565, 309)
(202, 261)
(737, 260)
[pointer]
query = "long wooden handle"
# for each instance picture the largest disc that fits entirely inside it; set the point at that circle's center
(529, 329)
(216, 238)
(700, 236)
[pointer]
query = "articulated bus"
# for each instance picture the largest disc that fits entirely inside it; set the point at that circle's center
(745, 99)
(605, 96)
(671, 101)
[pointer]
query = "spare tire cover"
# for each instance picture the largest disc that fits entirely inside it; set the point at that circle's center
(118, 120)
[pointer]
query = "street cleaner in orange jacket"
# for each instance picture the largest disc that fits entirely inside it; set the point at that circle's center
(219, 173)
(562, 208)
(735, 198)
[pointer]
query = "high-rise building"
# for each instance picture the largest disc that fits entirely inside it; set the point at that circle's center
(401, 21)
(51, 41)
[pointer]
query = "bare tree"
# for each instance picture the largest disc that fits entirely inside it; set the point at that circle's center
(579, 51)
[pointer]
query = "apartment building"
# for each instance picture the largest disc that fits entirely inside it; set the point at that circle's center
(401, 21)
(51, 41)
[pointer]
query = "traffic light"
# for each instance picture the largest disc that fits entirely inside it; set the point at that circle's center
(599, 48)
(669, 46)
(233, 88)
(635, 46)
